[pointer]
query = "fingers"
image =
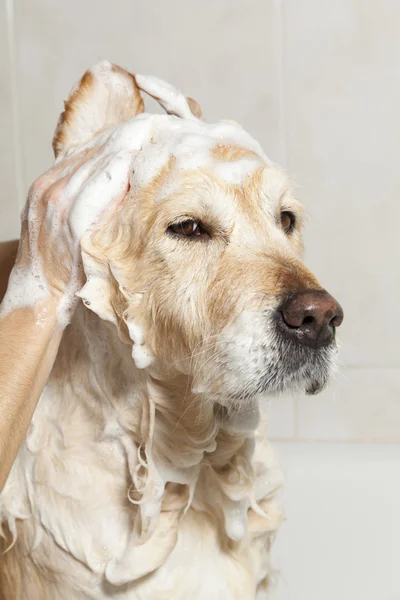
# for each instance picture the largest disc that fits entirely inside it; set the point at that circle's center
(108, 184)
(55, 203)
(58, 171)
(69, 198)
(77, 176)
(52, 197)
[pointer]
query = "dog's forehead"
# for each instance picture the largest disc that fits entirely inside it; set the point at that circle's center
(190, 150)
(224, 149)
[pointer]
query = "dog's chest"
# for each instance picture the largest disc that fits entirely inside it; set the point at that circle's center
(90, 524)
(71, 483)
(77, 491)
(78, 488)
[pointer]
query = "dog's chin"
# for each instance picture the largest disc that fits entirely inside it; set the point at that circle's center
(294, 370)
(309, 374)
(315, 387)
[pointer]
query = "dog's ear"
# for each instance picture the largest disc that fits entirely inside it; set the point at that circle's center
(105, 95)
(170, 98)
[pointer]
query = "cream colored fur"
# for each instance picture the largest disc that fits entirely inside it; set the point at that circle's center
(144, 475)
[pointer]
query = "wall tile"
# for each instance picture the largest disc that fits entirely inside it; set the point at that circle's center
(281, 417)
(225, 53)
(361, 405)
(9, 201)
(340, 539)
(342, 81)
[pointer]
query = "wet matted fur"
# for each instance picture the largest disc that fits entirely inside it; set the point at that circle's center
(146, 473)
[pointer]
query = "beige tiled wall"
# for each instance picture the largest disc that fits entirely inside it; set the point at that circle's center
(342, 83)
(9, 195)
(317, 82)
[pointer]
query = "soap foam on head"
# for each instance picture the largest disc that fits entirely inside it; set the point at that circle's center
(170, 98)
(136, 149)
(156, 138)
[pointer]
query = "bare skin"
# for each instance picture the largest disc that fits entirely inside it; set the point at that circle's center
(58, 212)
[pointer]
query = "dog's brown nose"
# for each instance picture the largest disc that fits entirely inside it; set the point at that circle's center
(311, 317)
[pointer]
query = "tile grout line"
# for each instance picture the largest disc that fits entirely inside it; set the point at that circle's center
(10, 13)
(285, 146)
(282, 90)
(381, 443)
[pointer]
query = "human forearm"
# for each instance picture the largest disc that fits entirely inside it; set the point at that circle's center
(63, 206)
(29, 340)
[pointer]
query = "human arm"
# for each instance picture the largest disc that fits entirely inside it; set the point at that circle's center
(40, 298)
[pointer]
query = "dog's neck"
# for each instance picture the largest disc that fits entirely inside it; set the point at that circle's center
(176, 438)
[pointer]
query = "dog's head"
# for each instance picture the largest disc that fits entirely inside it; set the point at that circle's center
(200, 266)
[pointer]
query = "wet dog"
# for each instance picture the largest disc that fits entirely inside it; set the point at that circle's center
(145, 474)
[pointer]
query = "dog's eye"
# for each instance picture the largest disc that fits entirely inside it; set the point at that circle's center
(188, 229)
(288, 221)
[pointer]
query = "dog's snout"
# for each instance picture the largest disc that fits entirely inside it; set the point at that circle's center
(311, 317)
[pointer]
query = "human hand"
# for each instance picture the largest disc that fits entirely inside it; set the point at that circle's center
(62, 205)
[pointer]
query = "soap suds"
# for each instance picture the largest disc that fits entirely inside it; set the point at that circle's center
(105, 73)
(91, 189)
(170, 98)
(99, 192)
(26, 287)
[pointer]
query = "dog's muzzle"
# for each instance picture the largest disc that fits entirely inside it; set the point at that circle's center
(290, 348)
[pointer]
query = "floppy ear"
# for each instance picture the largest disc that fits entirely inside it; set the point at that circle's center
(105, 95)
(170, 98)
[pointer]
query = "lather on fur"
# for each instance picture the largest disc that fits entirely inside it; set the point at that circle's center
(146, 473)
